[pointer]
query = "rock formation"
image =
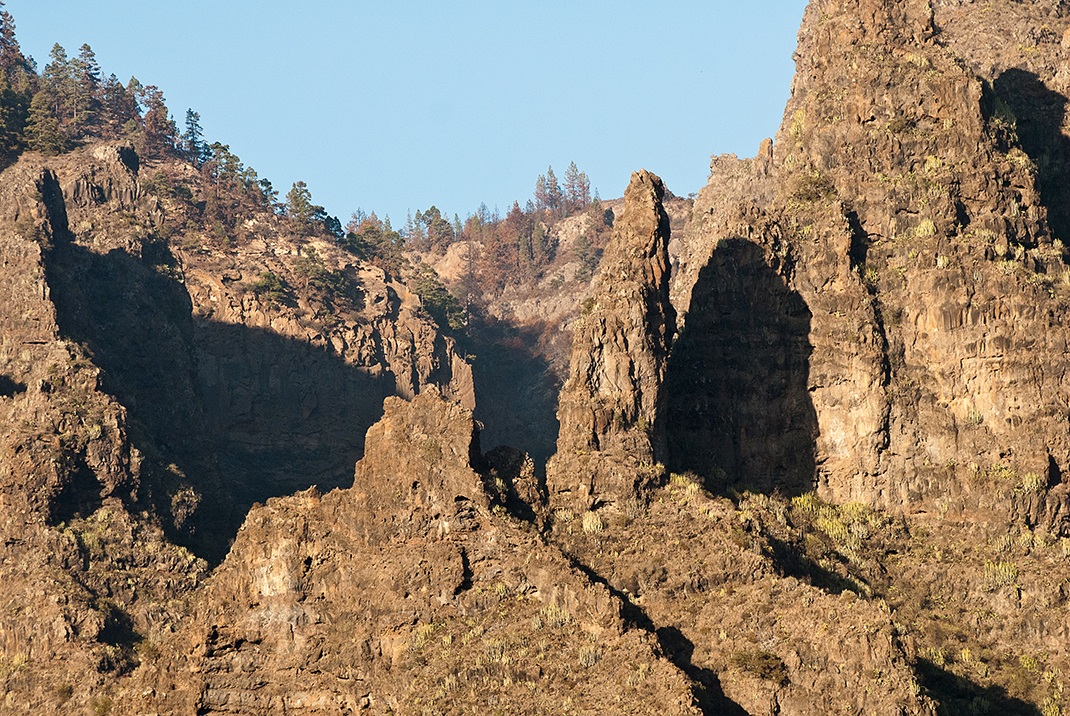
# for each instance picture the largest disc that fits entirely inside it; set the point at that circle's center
(404, 594)
(612, 434)
(840, 487)
(123, 415)
(904, 224)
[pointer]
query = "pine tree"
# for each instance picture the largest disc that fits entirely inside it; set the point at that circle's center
(438, 230)
(519, 227)
(299, 208)
(85, 103)
(57, 80)
(193, 139)
(577, 188)
(10, 52)
(410, 226)
(542, 245)
(269, 195)
(417, 237)
(553, 191)
(541, 197)
(119, 108)
(12, 61)
(14, 110)
(43, 132)
(160, 130)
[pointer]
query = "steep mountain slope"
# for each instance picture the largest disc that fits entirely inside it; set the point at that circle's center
(136, 420)
(813, 446)
(410, 593)
(873, 308)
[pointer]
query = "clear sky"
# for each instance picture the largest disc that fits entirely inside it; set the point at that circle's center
(394, 106)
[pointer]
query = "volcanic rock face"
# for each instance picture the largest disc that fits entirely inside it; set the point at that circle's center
(864, 417)
(279, 391)
(115, 430)
(739, 368)
(904, 224)
(612, 433)
(444, 602)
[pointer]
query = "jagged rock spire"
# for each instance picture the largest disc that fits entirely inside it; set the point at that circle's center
(611, 440)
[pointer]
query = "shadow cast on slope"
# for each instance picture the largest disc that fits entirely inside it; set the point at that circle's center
(791, 560)
(516, 390)
(738, 409)
(9, 387)
(958, 696)
(677, 648)
(1039, 113)
(224, 415)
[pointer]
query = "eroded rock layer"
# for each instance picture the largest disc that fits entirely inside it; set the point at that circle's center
(128, 430)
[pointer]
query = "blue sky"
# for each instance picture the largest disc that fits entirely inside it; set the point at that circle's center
(396, 106)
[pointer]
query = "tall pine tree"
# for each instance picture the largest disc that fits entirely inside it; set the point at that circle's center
(85, 84)
(14, 109)
(577, 188)
(119, 109)
(12, 61)
(43, 132)
(193, 139)
(160, 131)
(58, 81)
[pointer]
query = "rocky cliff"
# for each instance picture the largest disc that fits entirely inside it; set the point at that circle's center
(135, 420)
(874, 311)
(812, 454)
(407, 593)
(900, 221)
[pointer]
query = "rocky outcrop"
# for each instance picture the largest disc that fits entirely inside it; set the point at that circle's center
(403, 594)
(113, 449)
(274, 390)
(899, 219)
(86, 565)
(863, 418)
(756, 634)
(612, 435)
(875, 312)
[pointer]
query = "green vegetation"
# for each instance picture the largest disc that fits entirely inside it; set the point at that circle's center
(375, 241)
(439, 303)
(811, 187)
(592, 523)
(1000, 574)
(63, 693)
(762, 664)
(73, 102)
(330, 283)
(269, 287)
(306, 217)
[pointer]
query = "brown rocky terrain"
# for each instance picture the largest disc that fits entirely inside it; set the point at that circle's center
(811, 452)
(412, 592)
(612, 434)
(522, 352)
(874, 310)
(137, 418)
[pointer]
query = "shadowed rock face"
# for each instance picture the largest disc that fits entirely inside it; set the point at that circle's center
(611, 408)
(134, 418)
(921, 246)
(739, 412)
